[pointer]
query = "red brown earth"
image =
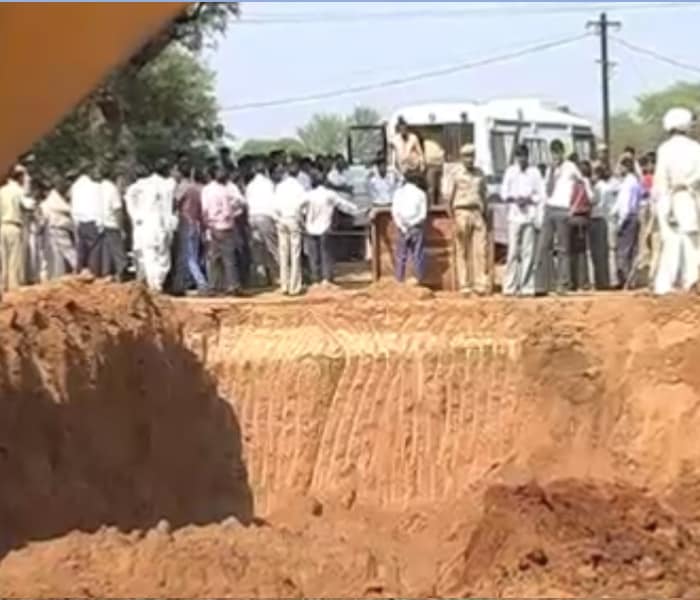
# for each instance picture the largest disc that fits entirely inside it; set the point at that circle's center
(383, 442)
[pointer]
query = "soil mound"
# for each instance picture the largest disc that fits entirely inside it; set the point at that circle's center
(371, 443)
(107, 419)
(572, 539)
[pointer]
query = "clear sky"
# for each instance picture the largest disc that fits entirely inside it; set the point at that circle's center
(282, 50)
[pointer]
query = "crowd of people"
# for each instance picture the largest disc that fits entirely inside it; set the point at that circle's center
(573, 225)
(217, 228)
(269, 220)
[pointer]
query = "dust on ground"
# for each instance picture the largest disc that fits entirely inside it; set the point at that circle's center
(379, 442)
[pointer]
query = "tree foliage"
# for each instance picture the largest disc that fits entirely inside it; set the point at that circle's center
(643, 127)
(158, 103)
(266, 146)
(326, 133)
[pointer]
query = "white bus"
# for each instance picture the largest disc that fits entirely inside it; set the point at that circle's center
(494, 127)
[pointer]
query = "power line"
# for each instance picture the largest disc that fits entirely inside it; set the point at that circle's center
(655, 55)
(436, 62)
(399, 81)
(512, 10)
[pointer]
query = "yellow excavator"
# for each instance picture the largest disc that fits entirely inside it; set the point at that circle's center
(53, 54)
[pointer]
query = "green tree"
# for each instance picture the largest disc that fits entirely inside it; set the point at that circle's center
(261, 146)
(325, 133)
(627, 129)
(366, 144)
(364, 115)
(158, 103)
(642, 128)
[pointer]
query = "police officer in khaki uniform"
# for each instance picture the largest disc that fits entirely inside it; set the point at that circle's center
(467, 203)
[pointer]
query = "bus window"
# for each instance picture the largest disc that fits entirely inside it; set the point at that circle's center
(583, 146)
(451, 136)
(455, 135)
(366, 144)
(538, 151)
(501, 151)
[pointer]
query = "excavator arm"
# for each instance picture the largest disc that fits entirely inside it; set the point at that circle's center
(53, 54)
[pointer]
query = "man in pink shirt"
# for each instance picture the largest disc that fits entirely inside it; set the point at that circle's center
(219, 208)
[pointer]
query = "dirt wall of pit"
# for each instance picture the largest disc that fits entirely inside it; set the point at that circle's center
(107, 419)
(381, 443)
(408, 403)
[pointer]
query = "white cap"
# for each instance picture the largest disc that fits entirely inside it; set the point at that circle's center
(678, 119)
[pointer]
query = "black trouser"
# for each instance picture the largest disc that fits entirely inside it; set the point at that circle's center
(553, 245)
(627, 237)
(114, 260)
(600, 252)
(318, 249)
(242, 251)
(578, 247)
(433, 177)
(89, 248)
(221, 253)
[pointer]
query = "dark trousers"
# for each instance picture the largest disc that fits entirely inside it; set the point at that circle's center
(433, 178)
(187, 264)
(242, 252)
(114, 260)
(578, 248)
(411, 243)
(89, 248)
(223, 272)
(627, 237)
(318, 250)
(600, 252)
(553, 266)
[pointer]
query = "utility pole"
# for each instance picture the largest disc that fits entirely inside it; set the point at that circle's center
(602, 25)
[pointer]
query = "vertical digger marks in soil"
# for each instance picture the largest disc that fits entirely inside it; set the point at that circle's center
(412, 403)
(376, 444)
(344, 404)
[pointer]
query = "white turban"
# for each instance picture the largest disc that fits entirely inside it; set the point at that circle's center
(678, 119)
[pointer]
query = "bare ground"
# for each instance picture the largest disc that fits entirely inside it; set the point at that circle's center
(383, 442)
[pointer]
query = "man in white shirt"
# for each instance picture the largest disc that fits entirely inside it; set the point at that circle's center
(523, 190)
(626, 215)
(555, 236)
(321, 204)
(60, 249)
(676, 191)
(337, 178)
(260, 198)
(150, 204)
(407, 153)
(302, 168)
(88, 213)
(289, 204)
(602, 200)
(382, 184)
(409, 210)
(32, 231)
(114, 260)
(12, 195)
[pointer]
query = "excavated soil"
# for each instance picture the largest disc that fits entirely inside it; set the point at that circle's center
(384, 442)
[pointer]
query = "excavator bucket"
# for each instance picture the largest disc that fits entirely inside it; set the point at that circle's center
(54, 54)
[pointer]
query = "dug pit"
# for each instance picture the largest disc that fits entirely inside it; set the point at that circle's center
(376, 443)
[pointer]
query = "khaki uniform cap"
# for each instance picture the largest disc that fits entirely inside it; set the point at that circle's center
(467, 150)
